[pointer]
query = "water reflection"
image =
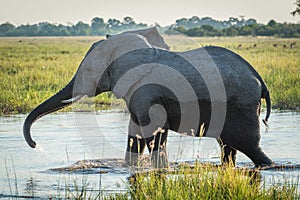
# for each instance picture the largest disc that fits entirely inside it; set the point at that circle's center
(31, 186)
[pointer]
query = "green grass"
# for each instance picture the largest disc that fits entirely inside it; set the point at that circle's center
(33, 69)
(182, 181)
(198, 182)
(207, 183)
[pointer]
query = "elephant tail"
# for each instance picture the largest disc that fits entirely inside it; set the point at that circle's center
(266, 96)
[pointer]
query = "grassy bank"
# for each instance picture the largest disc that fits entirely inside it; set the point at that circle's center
(199, 182)
(208, 183)
(33, 69)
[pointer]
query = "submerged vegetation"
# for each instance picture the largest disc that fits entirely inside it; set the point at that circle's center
(33, 69)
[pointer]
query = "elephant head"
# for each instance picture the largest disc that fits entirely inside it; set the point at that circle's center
(92, 76)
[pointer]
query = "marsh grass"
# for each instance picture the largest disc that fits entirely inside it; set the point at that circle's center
(194, 183)
(33, 69)
(184, 181)
(207, 183)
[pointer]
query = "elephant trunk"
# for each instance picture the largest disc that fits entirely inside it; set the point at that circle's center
(54, 103)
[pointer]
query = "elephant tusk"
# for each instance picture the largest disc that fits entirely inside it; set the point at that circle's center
(74, 99)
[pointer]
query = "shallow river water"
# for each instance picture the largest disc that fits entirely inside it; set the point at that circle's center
(65, 138)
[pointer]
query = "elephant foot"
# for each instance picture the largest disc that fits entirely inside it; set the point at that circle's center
(259, 158)
(263, 161)
(264, 164)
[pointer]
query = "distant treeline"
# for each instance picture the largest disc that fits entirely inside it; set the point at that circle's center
(193, 26)
(97, 27)
(271, 29)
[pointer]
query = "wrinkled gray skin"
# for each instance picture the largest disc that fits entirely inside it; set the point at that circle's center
(243, 86)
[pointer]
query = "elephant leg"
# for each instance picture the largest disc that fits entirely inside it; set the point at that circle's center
(242, 132)
(258, 157)
(135, 144)
(228, 154)
(157, 148)
(151, 115)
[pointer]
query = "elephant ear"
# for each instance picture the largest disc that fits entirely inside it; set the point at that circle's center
(103, 54)
(153, 37)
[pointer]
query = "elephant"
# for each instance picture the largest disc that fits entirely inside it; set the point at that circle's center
(209, 91)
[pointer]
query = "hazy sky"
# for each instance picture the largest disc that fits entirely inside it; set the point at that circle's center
(164, 12)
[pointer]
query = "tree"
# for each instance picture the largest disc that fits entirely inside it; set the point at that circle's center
(272, 23)
(205, 30)
(183, 22)
(297, 11)
(195, 32)
(231, 31)
(247, 30)
(98, 26)
(180, 29)
(81, 29)
(114, 25)
(194, 20)
(27, 30)
(128, 23)
(62, 30)
(46, 29)
(6, 29)
(250, 21)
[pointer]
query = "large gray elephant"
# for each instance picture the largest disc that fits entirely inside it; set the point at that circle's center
(209, 91)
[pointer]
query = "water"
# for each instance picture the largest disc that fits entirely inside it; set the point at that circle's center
(65, 138)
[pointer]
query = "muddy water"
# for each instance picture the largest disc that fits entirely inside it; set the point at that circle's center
(65, 138)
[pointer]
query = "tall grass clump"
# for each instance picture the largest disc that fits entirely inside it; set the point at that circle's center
(207, 183)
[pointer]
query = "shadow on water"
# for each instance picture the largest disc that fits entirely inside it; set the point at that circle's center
(67, 158)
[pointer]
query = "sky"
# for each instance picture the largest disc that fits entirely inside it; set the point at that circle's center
(163, 12)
